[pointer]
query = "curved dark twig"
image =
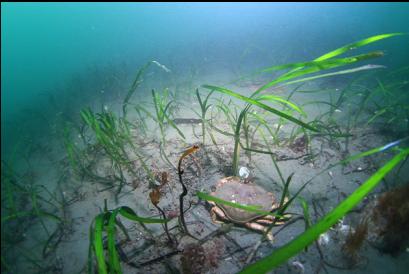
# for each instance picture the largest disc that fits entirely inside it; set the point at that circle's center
(184, 192)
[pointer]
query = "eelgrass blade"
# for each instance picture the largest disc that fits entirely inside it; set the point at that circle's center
(285, 190)
(114, 263)
(329, 55)
(351, 46)
(306, 213)
(236, 151)
(137, 81)
(296, 71)
(261, 105)
(108, 220)
(98, 243)
(374, 150)
(295, 246)
(52, 241)
(91, 250)
(357, 44)
(23, 214)
(275, 98)
(316, 66)
(128, 213)
(250, 208)
(347, 71)
(148, 113)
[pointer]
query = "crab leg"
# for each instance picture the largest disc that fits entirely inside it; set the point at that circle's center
(264, 221)
(260, 228)
(217, 212)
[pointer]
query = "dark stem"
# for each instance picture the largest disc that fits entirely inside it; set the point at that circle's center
(165, 224)
(182, 195)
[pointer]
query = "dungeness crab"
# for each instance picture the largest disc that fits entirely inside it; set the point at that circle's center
(233, 190)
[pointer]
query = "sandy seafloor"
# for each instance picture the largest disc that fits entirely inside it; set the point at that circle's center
(228, 251)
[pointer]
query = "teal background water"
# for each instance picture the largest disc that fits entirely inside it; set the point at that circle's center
(45, 45)
(58, 58)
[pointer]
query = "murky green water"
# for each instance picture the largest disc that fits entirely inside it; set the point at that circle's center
(99, 102)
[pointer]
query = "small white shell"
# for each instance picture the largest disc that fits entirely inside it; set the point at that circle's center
(330, 174)
(244, 172)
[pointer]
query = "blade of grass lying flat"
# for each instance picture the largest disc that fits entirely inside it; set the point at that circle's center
(319, 102)
(23, 214)
(316, 90)
(295, 246)
(250, 208)
(221, 131)
(128, 213)
(170, 121)
(261, 105)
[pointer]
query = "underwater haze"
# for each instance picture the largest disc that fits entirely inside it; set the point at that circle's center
(204, 137)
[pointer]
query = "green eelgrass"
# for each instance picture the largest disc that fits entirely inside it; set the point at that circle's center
(244, 112)
(162, 107)
(262, 121)
(346, 71)
(204, 107)
(295, 246)
(137, 81)
(113, 135)
(273, 158)
(321, 63)
(329, 55)
(305, 68)
(368, 102)
(306, 213)
(108, 221)
(231, 116)
(24, 205)
(250, 208)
